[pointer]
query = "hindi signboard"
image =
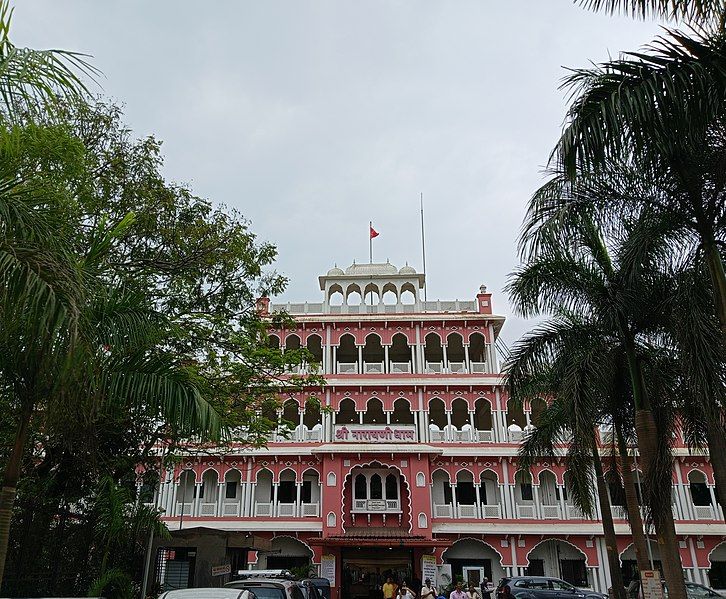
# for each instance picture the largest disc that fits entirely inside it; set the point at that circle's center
(375, 433)
(652, 587)
(327, 568)
(221, 570)
(429, 569)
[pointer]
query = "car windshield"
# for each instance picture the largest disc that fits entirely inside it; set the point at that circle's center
(696, 590)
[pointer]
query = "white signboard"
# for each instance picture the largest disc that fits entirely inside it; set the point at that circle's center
(375, 433)
(221, 570)
(652, 587)
(327, 568)
(429, 569)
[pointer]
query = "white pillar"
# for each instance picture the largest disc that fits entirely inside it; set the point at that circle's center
(298, 499)
(301, 431)
(446, 359)
(360, 359)
(197, 498)
(455, 505)
(448, 435)
(466, 358)
(334, 365)
(479, 513)
(386, 364)
(563, 506)
(221, 486)
(275, 486)
(535, 495)
(472, 433)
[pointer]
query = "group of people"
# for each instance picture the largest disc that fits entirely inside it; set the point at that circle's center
(391, 590)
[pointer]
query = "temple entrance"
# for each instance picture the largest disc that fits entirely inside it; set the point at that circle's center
(365, 569)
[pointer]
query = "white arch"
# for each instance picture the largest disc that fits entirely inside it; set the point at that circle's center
(382, 463)
(710, 553)
(558, 540)
(501, 557)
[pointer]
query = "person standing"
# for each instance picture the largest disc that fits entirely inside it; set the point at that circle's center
(405, 592)
(472, 593)
(486, 592)
(458, 593)
(389, 589)
(428, 591)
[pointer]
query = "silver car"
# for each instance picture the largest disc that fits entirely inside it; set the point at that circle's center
(209, 593)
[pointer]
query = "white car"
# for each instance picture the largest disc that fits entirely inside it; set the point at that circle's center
(210, 593)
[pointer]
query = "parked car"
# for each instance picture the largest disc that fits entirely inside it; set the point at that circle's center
(322, 585)
(699, 591)
(269, 588)
(544, 587)
(210, 593)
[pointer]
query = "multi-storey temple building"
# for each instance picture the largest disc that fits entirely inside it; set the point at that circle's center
(411, 460)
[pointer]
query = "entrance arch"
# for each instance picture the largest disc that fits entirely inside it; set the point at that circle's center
(474, 559)
(293, 553)
(717, 561)
(560, 559)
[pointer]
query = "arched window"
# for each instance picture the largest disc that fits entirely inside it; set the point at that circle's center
(391, 486)
(374, 412)
(346, 413)
(361, 487)
(700, 493)
(376, 487)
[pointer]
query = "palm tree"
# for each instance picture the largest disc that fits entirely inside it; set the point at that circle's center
(570, 268)
(566, 359)
(694, 11)
(36, 79)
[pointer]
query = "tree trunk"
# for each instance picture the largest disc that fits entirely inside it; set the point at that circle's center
(10, 481)
(718, 280)
(670, 558)
(611, 543)
(635, 520)
(716, 437)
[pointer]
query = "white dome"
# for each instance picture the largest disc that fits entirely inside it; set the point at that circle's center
(407, 270)
(335, 272)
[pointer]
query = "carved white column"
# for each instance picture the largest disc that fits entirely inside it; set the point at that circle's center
(479, 511)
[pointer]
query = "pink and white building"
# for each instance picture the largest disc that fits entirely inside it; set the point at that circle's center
(412, 459)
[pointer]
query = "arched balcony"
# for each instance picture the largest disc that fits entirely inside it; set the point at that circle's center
(232, 502)
(208, 494)
(433, 354)
(516, 422)
(477, 354)
(347, 413)
(524, 495)
(346, 355)
(490, 495)
(374, 412)
(438, 420)
(459, 429)
(454, 355)
(375, 492)
(373, 356)
(263, 494)
(702, 495)
(186, 493)
(549, 496)
(312, 423)
(402, 412)
(483, 424)
(441, 494)
(314, 345)
(400, 355)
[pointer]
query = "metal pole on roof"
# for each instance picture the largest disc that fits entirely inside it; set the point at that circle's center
(423, 247)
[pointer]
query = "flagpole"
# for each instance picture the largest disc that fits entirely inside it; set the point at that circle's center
(370, 240)
(423, 246)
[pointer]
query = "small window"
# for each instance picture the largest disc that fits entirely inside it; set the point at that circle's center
(306, 495)
(561, 585)
(538, 584)
(230, 491)
(700, 494)
(391, 486)
(526, 490)
(376, 487)
(521, 583)
(331, 482)
(361, 487)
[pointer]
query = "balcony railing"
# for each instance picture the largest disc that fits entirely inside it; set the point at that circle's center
(468, 511)
(457, 367)
(263, 509)
(286, 510)
(704, 512)
(310, 510)
(526, 511)
(400, 367)
(575, 513)
(485, 436)
(434, 367)
(373, 367)
(478, 367)
(551, 512)
(208, 509)
(377, 505)
(231, 508)
(347, 367)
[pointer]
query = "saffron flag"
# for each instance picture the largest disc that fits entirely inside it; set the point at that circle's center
(374, 233)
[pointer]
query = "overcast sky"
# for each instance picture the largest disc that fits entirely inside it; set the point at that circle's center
(314, 117)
